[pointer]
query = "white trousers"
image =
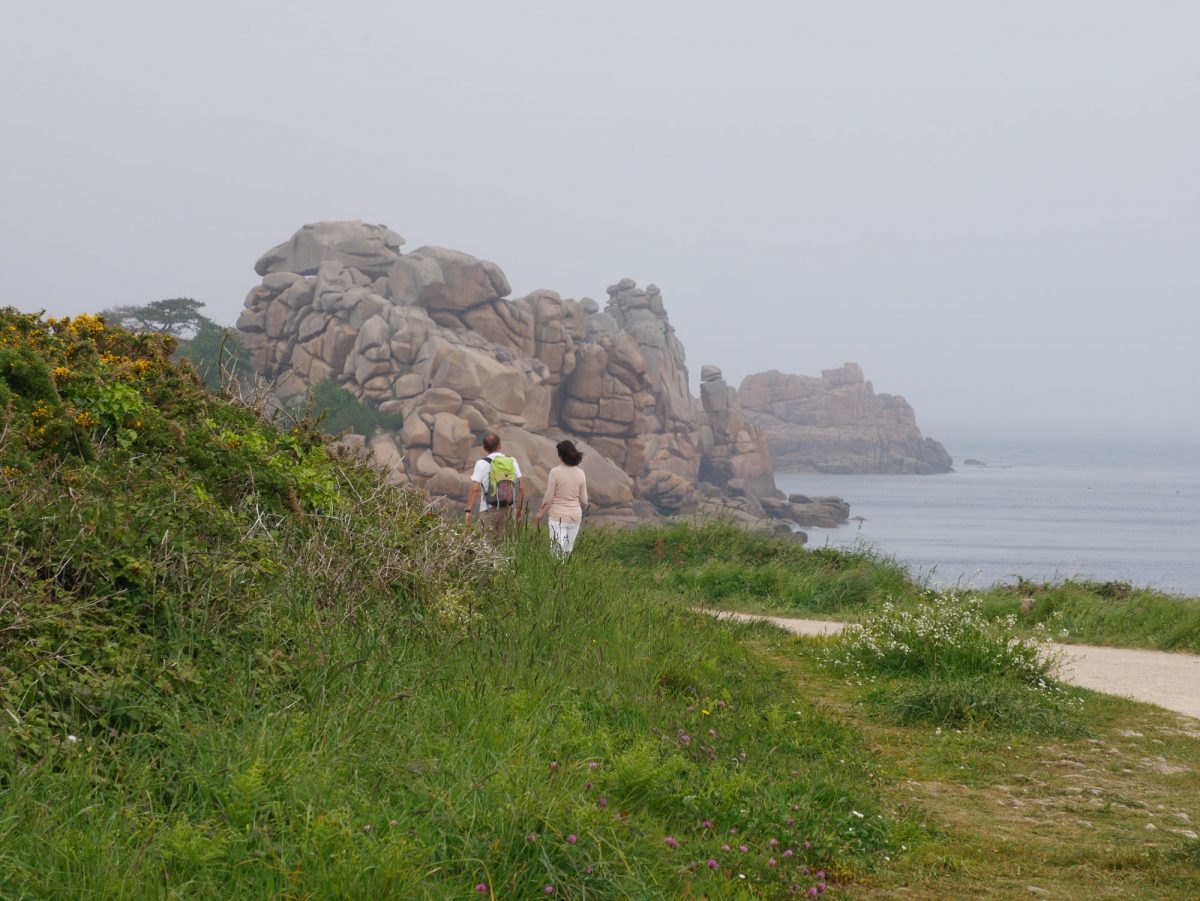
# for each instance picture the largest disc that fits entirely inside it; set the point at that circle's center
(562, 536)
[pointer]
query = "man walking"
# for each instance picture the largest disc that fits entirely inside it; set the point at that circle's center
(495, 487)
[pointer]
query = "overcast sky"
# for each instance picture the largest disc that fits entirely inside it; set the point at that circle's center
(993, 207)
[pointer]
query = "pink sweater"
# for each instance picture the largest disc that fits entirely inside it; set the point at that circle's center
(566, 494)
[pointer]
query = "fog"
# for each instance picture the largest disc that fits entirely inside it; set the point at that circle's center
(993, 208)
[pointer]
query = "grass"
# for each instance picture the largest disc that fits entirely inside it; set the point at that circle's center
(1015, 813)
(235, 665)
(717, 564)
(417, 765)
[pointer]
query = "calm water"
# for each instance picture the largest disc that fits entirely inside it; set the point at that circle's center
(1097, 512)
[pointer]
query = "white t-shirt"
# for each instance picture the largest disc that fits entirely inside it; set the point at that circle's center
(480, 475)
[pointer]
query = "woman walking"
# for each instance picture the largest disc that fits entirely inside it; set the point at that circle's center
(566, 496)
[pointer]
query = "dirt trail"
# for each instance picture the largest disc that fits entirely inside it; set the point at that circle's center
(1157, 677)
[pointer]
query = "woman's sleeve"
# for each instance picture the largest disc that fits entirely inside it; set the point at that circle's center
(583, 498)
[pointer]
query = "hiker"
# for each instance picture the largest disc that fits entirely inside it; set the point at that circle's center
(496, 483)
(566, 498)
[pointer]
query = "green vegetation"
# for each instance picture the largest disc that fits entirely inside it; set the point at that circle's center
(946, 664)
(215, 352)
(235, 664)
(718, 564)
(338, 411)
(218, 355)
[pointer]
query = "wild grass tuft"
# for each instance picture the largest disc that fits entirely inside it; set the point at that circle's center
(945, 663)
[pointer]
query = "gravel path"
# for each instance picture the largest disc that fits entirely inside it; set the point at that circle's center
(1157, 677)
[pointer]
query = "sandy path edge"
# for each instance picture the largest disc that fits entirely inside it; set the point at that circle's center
(1170, 680)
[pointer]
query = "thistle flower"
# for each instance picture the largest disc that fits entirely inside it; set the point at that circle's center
(602, 802)
(712, 864)
(572, 838)
(481, 888)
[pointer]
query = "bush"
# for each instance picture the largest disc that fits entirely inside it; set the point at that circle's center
(946, 663)
(946, 635)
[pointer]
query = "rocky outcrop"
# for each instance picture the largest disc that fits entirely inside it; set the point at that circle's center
(433, 335)
(837, 423)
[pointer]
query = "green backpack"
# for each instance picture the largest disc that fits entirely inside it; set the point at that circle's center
(501, 487)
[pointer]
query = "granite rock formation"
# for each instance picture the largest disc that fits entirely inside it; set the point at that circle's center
(432, 335)
(838, 424)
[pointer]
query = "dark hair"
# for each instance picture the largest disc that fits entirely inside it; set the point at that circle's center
(491, 442)
(568, 453)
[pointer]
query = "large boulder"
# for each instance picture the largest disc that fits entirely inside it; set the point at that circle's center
(371, 249)
(446, 283)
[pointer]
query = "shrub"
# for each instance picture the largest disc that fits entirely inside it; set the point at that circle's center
(946, 663)
(946, 635)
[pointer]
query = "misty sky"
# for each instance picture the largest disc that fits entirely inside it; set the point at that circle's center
(994, 208)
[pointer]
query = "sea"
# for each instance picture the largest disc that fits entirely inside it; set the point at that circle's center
(1084, 509)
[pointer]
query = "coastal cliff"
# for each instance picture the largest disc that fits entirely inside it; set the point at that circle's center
(433, 336)
(838, 424)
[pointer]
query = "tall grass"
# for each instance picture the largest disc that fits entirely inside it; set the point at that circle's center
(554, 733)
(722, 563)
(1104, 612)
